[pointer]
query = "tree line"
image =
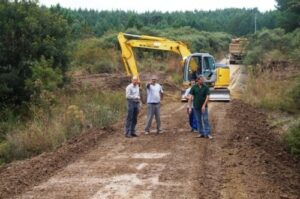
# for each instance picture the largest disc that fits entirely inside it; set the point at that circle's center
(233, 21)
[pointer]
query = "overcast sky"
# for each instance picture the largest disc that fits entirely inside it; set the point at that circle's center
(162, 5)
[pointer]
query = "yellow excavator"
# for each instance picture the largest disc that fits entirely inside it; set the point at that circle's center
(194, 64)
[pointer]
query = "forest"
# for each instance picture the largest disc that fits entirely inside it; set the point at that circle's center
(40, 47)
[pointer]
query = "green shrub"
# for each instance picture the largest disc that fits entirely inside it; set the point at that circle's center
(273, 45)
(43, 82)
(177, 78)
(254, 56)
(295, 94)
(292, 138)
(93, 56)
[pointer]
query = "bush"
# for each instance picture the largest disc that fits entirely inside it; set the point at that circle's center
(28, 33)
(295, 94)
(43, 82)
(292, 138)
(92, 56)
(269, 46)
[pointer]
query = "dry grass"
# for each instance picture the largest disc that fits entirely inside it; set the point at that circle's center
(72, 115)
(272, 90)
(278, 91)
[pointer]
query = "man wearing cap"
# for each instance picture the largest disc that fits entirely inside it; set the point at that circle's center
(133, 99)
(154, 96)
(199, 97)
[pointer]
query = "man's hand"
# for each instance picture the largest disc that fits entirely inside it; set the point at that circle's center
(189, 110)
(203, 109)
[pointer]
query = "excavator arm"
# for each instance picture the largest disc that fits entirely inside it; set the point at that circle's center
(129, 41)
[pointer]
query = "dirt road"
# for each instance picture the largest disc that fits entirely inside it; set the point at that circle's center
(244, 160)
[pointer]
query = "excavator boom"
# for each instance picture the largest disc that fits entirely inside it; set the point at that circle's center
(129, 41)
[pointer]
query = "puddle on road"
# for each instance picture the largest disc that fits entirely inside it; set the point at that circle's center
(149, 155)
(131, 185)
(134, 185)
(141, 166)
(140, 155)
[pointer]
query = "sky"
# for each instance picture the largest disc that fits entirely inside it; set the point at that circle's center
(162, 5)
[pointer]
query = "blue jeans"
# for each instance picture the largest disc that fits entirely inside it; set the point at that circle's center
(192, 120)
(131, 120)
(202, 121)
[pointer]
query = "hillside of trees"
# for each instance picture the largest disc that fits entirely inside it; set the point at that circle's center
(234, 21)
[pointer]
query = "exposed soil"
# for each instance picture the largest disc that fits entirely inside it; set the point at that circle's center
(246, 159)
(116, 81)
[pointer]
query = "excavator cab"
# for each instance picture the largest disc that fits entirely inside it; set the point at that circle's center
(198, 64)
(217, 78)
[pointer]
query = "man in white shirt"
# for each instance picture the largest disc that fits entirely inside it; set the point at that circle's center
(154, 96)
(133, 99)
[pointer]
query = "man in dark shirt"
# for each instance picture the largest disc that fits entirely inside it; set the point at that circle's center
(199, 96)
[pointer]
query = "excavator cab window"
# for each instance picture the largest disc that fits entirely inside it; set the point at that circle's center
(195, 67)
(208, 66)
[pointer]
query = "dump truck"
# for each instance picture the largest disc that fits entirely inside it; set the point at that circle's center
(237, 50)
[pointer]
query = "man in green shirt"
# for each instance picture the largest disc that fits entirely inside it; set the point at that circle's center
(199, 96)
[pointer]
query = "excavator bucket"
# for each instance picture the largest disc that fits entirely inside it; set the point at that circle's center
(219, 94)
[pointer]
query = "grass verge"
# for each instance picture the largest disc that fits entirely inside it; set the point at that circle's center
(278, 91)
(73, 114)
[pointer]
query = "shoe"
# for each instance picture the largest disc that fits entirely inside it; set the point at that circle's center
(210, 137)
(146, 132)
(200, 136)
(159, 131)
(134, 135)
(128, 136)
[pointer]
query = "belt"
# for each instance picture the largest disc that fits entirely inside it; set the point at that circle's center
(154, 103)
(133, 100)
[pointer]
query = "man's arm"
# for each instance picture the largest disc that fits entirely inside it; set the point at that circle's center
(190, 98)
(187, 93)
(148, 85)
(205, 102)
(161, 92)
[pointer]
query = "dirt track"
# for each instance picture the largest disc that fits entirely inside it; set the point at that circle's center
(244, 160)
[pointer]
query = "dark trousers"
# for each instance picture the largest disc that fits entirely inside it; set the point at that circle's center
(131, 120)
